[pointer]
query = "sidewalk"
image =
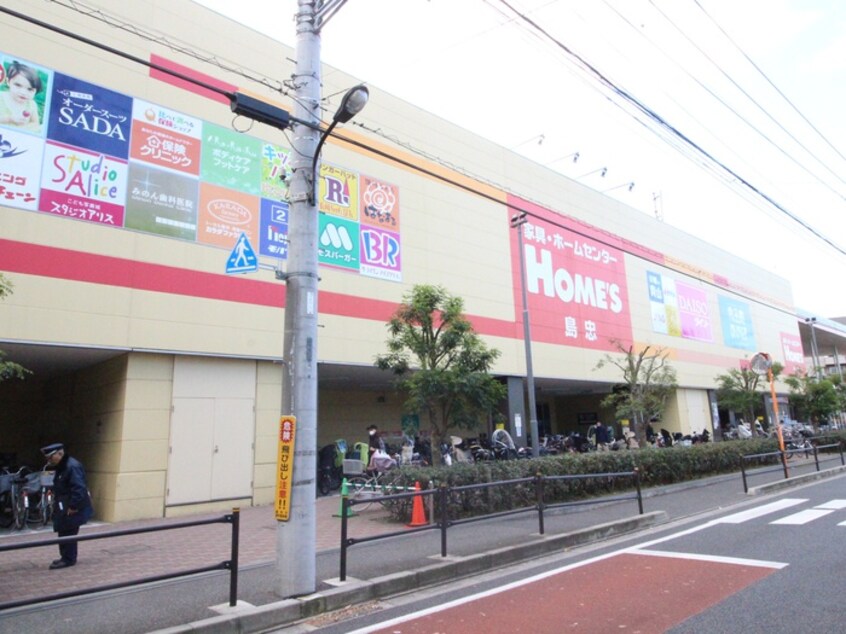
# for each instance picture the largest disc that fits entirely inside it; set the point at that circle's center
(380, 567)
(24, 573)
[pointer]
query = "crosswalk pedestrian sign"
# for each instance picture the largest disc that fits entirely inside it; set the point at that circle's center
(243, 258)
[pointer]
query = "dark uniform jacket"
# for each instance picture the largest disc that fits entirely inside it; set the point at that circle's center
(70, 491)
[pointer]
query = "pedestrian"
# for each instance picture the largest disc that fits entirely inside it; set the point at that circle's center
(379, 459)
(601, 436)
(71, 502)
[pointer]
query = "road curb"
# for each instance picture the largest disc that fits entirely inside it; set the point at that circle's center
(791, 482)
(354, 591)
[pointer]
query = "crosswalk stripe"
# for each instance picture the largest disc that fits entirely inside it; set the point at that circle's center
(802, 517)
(834, 505)
(758, 511)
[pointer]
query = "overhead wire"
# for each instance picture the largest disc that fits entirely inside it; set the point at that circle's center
(386, 155)
(765, 111)
(727, 180)
(653, 132)
(824, 138)
(659, 120)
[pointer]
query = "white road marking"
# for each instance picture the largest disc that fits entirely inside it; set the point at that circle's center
(762, 510)
(739, 561)
(759, 511)
(834, 505)
(802, 517)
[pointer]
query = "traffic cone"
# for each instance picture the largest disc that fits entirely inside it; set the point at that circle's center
(418, 515)
(345, 491)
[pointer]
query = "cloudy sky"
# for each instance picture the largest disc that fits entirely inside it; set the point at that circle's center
(757, 85)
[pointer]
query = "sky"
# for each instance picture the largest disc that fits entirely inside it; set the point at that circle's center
(758, 85)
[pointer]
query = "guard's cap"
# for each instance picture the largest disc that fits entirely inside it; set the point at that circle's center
(49, 450)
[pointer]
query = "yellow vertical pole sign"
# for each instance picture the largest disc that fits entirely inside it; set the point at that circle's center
(285, 466)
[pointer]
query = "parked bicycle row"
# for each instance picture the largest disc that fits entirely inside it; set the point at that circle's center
(367, 459)
(26, 497)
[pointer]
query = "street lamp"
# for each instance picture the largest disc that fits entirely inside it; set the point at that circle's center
(296, 538)
(629, 186)
(517, 223)
(762, 364)
(815, 355)
(602, 171)
(353, 102)
(540, 138)
(574, 155)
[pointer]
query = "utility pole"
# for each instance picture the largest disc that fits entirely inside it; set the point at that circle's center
(517, 223)
(296, 539)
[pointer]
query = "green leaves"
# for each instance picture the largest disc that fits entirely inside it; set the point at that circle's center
(815, 399)
(9, 369)
(442, 364)
(648, 382)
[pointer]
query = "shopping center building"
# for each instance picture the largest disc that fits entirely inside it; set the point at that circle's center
(124, 190)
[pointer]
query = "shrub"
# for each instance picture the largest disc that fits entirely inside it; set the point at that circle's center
(656, 466)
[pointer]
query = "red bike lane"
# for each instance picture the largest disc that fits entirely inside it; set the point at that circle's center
(631, 592)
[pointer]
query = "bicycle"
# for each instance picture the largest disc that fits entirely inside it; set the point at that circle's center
(39, 497)
(14, 504)
(794, 447)
(369, 488)
(6, 505)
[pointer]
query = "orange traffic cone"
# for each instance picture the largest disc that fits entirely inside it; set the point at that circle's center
(418, 515)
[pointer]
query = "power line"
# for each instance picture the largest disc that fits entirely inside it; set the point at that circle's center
(769, 81)
(655, 117)
(386, 155)
(760, 107)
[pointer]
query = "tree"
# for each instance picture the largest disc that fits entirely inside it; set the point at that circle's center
(815, 399)
(442, 364)
(741, 390)
(648, 382)
(9, 369)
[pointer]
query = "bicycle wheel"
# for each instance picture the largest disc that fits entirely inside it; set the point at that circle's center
(323, 484)
(364, 491)
(391, 484)
(47, 508)
(35, 511)
(19, 510)
(6, 514)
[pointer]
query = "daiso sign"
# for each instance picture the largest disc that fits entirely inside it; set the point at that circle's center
(575, 280)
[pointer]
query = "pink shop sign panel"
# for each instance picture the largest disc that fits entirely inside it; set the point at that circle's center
(576, 284)
(694, 313)
(84, 185)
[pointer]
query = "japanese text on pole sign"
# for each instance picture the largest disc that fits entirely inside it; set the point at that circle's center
(285, 466)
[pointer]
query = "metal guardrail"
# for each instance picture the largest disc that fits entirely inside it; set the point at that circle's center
(231, 564)
(442, 493)
(783, 455)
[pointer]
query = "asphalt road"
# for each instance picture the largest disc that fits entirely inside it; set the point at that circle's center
(772, 566)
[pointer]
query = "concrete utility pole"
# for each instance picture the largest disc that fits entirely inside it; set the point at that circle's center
(517, 223)
(296, 539)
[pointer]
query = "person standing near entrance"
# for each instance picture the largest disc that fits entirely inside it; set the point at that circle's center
(71, 503)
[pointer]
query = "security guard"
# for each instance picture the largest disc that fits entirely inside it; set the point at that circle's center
(71, 502)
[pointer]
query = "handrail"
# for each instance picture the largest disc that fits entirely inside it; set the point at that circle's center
(783, 455)
(444, 522)
(231, 564)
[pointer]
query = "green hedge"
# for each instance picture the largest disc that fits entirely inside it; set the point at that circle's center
(656, 466)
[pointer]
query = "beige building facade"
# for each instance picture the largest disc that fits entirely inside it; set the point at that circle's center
(124, 200)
